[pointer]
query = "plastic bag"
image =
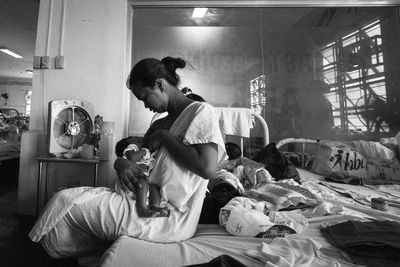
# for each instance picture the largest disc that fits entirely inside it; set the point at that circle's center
(245, 217)
(247, 222)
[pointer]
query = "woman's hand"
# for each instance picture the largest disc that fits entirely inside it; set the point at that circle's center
(129, 173)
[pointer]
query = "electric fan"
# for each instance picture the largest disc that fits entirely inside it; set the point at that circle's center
(70, 124)
(375, 113)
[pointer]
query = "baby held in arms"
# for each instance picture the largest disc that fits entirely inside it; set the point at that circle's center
(127, 148)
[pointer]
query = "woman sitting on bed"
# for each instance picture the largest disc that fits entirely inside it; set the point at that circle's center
(190, 144)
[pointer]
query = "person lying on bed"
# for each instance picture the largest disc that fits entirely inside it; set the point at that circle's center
(250, 173)
(129, 149)
(80, 220)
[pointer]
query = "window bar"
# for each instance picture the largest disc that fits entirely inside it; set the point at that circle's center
(341, 88)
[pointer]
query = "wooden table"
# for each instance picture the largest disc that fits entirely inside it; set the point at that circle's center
(49, 160)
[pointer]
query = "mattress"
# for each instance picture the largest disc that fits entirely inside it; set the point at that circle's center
(209, 242)
(355, 198)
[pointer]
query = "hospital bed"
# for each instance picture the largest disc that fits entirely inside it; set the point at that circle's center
(9, 150)
(213, 240)
(11, 126)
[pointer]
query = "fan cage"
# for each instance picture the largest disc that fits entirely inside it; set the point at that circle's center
(72, 127)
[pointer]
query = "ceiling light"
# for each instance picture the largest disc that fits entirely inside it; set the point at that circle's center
(29, 72)
(199, 12)
(11, 53)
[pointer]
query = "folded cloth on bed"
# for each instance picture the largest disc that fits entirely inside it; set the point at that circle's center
(375, 243)
(249, 172)
(235, 121)
(323, 209)
(290, 252)
(364, 194)
(279, 196)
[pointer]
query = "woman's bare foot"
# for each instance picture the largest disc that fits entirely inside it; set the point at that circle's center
(164, 211)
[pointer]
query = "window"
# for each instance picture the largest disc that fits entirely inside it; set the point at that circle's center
(28, 102)
(353, 67)
(305, 70)
(258, 94)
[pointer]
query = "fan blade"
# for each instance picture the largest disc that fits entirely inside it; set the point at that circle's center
(64, 141)
(61, 120)
(63, 116)
(59, 127)
(82, 122)
(73, 114)
(80, 115)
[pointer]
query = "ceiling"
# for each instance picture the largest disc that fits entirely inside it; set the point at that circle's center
(18, 25)
(19, 18)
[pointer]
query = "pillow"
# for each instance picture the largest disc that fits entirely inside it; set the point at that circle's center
(339, 161)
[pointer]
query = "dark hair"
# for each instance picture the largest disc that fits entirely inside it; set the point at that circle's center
(233, 150)
(148, 70)
(122, 144)
(195, 97)
(186, 90)
(189, 94)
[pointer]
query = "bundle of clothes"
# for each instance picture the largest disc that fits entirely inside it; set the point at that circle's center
(260, 189)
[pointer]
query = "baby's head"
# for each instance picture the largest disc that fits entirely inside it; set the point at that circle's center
(233, 150)
(122, 144)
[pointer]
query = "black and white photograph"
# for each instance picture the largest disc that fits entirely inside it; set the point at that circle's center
(144, 133)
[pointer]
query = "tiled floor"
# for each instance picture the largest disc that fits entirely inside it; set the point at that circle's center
(15, 247)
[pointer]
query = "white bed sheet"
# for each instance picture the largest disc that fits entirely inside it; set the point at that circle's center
(209, 242)
(355, 198)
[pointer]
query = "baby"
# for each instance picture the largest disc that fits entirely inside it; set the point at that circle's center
(127, 148)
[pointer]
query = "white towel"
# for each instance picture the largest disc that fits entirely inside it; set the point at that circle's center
(235, 121)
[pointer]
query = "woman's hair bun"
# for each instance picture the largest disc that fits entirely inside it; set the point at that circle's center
(173, 63)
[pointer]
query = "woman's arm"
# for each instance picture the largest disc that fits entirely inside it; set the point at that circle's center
(202, 159)
(130, 173)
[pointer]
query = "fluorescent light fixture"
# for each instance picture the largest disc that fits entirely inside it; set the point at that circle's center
(199, 12)
(9, 52)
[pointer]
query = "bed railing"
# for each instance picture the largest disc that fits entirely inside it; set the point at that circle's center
(302, 141)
